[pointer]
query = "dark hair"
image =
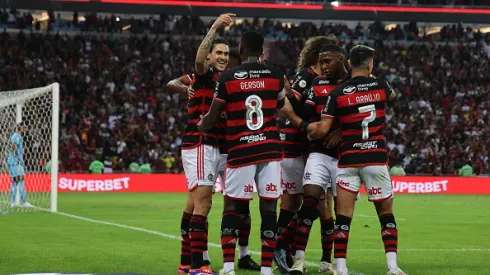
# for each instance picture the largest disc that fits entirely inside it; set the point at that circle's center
(253, 43)
(332, 48)
(219, 40)
(313, 46)
(360, 54)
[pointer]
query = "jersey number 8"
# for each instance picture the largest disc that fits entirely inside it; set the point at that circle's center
(254, 108)
(371, 109)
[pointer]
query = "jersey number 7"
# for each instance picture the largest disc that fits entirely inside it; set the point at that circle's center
(371, 109)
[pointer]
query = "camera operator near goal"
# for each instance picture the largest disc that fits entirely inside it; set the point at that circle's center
(359, 104)
(16, 168)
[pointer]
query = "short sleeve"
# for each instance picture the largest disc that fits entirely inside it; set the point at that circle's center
(220, 93)
(329, 111)
(302, 82)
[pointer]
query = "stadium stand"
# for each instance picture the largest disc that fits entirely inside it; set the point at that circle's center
(114, 100)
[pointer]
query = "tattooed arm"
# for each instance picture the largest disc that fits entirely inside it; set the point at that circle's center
(205, 47)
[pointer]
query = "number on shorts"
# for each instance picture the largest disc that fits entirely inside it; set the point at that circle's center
(254, 107)
(372, 116)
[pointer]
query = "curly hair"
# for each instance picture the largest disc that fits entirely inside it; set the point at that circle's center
(313, 46)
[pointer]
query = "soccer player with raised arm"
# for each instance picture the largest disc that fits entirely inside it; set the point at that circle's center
(16, 168)
(359, 104)
(200, 152)
(250, 94)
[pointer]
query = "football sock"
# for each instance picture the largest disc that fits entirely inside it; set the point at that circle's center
(326, 230)
(389, 234)
(228, 239)
(244, 226)
(197, 233)
(185, 252)
(268, 234)
(306, 216)
(341, 239)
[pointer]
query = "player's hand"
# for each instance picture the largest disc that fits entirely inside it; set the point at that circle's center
(286, 109)
(190, 92)
(223, 20)
(333, 139)
(287, 88)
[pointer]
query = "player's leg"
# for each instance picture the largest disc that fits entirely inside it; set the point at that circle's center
(201, 186)
(185, 251)
(326, 218)
(326, 231)
(292, 170)
(22, 187)
(380, 191)
(238, 191)
(268, 180)
(348, 185)
(14, 175)
(315, 180)
(245, 261)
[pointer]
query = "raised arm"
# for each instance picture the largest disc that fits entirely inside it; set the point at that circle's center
(205, 47)
(180, 84)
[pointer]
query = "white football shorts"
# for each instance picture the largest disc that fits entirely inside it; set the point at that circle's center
(292, 170)
(200, 166)
(376, 178)
(240, 180)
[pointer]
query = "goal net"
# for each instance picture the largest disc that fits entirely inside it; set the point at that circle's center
(29, 130)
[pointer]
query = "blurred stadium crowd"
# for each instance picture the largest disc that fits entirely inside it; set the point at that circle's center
(115, 103)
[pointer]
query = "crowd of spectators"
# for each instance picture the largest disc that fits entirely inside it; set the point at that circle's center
(114, 102)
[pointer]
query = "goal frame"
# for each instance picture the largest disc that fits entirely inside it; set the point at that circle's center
(19, 100)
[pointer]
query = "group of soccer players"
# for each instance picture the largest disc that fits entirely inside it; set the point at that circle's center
(333, 120)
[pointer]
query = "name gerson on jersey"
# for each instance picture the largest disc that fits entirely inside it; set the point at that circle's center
(317, 98)
(198, 106)
(293, 139)
(359, 104)
(251, 92)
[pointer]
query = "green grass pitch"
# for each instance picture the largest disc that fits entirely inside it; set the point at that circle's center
(139, 233)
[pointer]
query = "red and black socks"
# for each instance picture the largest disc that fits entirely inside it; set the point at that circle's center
(268, 235)
(327, 227)
(341, 239)
(228, 239)
(185, 252)
(389, 234)
(197, 232)
(306, 216)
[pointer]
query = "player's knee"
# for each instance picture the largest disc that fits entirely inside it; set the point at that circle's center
(243, 207)
(267, 206)
(230, 204)
(202, 199)
(189, 206)
(384, 207)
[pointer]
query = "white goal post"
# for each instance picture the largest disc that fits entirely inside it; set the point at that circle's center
(29, 137)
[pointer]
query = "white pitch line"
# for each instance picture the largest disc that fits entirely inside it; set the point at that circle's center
(483, 250)
(169, 236)
(375, 217)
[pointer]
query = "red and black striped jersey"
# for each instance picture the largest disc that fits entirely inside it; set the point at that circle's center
(251, 92)
(317, 98)
(222, 134)
(359, 104)
(198, 106)
(294, 140)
